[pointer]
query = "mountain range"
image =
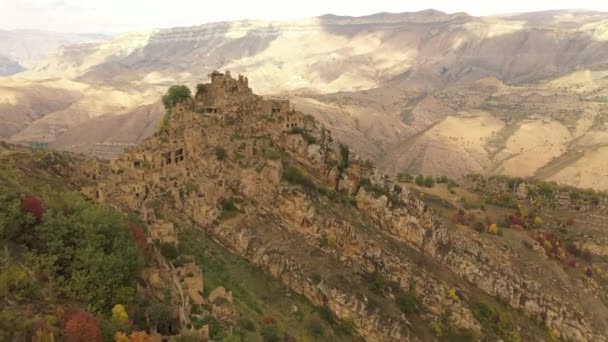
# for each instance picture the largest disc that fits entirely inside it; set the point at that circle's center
(426, 92)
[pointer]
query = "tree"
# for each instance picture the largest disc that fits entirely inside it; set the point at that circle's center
(419, 180)
(175, 95)
(161, 317)
(82, 327)
(121, 337)
(407, 302)
(344, 155)
(11, 214)
(119, 314)
(91, 248)
(33, 205)
(493, 229)
(139, 336)
(429, 181)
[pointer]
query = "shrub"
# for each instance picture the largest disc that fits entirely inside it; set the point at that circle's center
(344, 155)
(436, 328)
(295, 176)
(82, 327)
(345, 327)
(11, 214)
(168, 250)
(268, 320)
(91, 248)
(407, 303)
(220, 153)
(188, 338)
(228, 205)
(247, 324)
(139, 336)
(457, 217)
(315, 326)
(271, 333)
(33, 205)
(419, 180)
(163, 125)
(15, 280)
(119, 314)
(453, 295)
(326, 314)
(479, 227)
(495, 320)
(162, 317)
(365, 182)
(405, 177)
(493, 229)
(429, 181)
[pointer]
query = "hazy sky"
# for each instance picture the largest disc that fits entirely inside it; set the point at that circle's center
(113, 16)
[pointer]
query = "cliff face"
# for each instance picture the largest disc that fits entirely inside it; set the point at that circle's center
(417, 49)
(271, 185)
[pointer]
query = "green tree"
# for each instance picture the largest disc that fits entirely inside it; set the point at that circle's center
(175, 95)
(91, 248)
(419, 180)
(344, 155)
(12, 219)
(429, 181)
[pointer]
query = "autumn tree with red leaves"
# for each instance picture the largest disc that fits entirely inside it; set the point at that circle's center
(33, 205)
(82, 326)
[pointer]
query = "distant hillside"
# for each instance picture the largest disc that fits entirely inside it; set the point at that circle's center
(9, 67)
(30, 47)
(403, 89)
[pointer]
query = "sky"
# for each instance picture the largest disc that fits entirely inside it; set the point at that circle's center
(116, 16)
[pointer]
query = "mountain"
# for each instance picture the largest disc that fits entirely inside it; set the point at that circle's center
(241, 218)
(402, 89)
(30, 47)
(274, 187)
(9, 66)
(332, 53)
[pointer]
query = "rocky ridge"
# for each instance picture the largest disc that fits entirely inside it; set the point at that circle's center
(284, 176)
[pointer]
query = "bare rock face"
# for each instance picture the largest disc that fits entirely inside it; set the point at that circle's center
(220, 293)
(192, 282)
(269, 184)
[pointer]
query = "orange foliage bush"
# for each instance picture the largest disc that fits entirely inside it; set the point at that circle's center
(82, 326)
(139, 336)
(268, 320)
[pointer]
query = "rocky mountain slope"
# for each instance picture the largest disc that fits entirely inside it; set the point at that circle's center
(272, 186)
(402, 88)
